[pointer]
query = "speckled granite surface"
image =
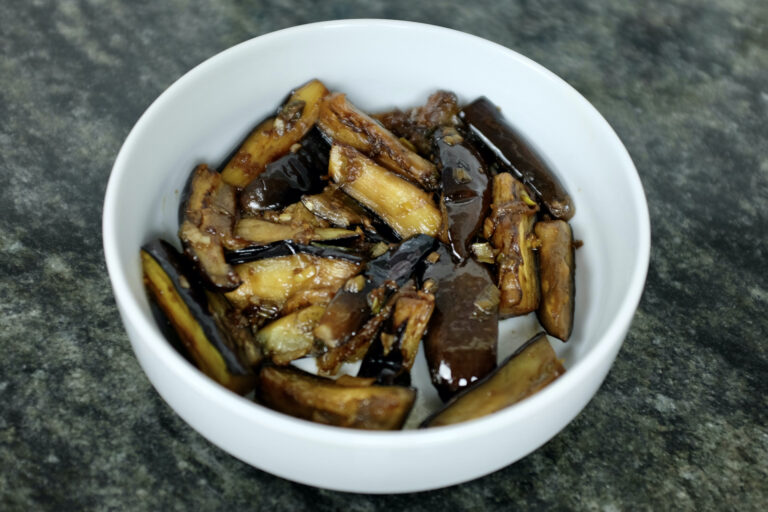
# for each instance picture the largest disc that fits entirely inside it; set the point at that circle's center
(680, 422)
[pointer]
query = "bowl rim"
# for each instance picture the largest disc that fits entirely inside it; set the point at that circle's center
(608, 343)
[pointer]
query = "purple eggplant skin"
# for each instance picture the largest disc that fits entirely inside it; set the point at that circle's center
(351, 307)
(285, 180)
(488, 124)
(466, 194)
(191, 291)
(461, 341)
(287, 248)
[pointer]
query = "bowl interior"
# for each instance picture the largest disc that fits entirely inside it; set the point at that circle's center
(381, 65)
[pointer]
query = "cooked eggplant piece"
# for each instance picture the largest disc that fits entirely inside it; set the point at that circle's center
(250, 253)
(417, 125)
(364, 294)
(338, 208)
(286, 283)
(289, 177)
(207, 216)
(461, 342)
(303, 395)
(487, 122)
(527, 371)
(256, 231)
(217, 341)
(404, 207)
(290, 337)
(510, 230)
(390, 358)
(465, 193)
(557, 270)
(344, 123)
(275, 136)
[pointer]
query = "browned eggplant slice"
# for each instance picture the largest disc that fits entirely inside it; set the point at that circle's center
(465, 193)
(207, 216)
(303, 395)
(418, 124)
(527, 371)
(486, 121)
(510, 230)
(289, 177)
(274, 137)
(247, 254)
(343, 122)
(338, 208)
(286, 283)
(390, 358)
(403, 206)
(257, 231)
(364, 294)
(290, 337)
(295, 214)
(219, 343)
(557, 270)
(461, 342)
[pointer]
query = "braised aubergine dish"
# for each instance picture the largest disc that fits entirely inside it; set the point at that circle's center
(333, 246)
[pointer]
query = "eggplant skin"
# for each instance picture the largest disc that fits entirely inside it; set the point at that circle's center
(465, 193)
(285, 180)
(306, 396)
(529, 370)
(186, 306)
(557, 271)
(287, 248)
(488, 124)
(461, 342)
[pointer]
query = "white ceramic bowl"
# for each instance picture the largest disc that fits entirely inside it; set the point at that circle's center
(380, 64)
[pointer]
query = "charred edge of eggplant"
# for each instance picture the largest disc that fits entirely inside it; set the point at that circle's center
(286, 179)
(173, 264)
(287, 248)
(477, 384)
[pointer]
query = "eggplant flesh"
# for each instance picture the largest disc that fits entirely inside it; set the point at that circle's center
(557, 270)
(250, 253)
(285, 180)
(461, 343)
(362, 295)
(290, 337)
(465, 193)
(338, 208)
(403, 206)
(486, 121)
(216, 341)
(207, 216)
(274, 137)
(524, 373)
(510, 229)
(306, 396)
(342, 122)
(252, 230)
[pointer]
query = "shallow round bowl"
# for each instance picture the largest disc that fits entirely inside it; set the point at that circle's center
(380, 64)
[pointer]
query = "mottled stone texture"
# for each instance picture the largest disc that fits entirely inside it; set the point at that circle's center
(679, 423)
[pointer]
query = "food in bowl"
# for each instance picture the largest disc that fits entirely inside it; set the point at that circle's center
(431, 224)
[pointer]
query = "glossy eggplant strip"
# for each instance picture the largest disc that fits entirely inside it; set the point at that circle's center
(343, 122)
(403, 206)
(207, 216)
(557, 270)
(338, 208)
(461, 342)
(303, 395)
(417, 124)
(286, 283)
(274, 137)
(220, 345)
(390, 358)
(465, 192)
(249, 253)
(364, 294)
(486, 121)
(510, 230)
(524, 373)
(290, 337)
(261, 232)
(289, 177)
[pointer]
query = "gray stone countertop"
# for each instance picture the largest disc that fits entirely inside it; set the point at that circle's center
(680, 422)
